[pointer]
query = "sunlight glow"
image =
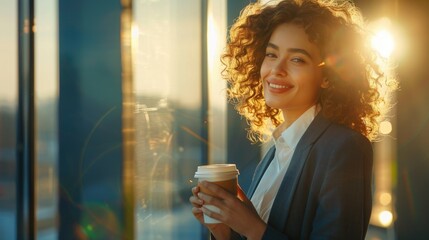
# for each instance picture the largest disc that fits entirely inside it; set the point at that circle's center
(135, 32)
(216, 36)
(383, 43)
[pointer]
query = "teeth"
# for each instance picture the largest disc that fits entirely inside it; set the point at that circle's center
(277, 86)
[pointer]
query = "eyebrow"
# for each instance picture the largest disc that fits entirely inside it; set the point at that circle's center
(291, 50)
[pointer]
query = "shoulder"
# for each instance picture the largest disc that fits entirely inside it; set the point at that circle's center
(337, 132)
(341, 152)
(342, 134)
(326, 137)
(336, 137)
(344, 148)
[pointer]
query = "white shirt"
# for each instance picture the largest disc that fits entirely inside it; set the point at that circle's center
(269, 185)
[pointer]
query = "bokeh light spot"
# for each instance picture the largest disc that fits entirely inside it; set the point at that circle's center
(385, 199)
(385, 127)
(385, 218)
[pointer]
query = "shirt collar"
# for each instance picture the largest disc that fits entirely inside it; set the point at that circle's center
(291, 135)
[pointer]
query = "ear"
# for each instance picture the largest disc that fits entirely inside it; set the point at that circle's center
(325, 83)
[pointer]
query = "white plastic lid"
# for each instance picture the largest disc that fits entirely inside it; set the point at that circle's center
(217, 171)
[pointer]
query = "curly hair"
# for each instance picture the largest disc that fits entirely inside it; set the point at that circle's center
(337, 29)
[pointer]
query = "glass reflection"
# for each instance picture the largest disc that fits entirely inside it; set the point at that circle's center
(168, 118)
(46, 101)
(8, 114)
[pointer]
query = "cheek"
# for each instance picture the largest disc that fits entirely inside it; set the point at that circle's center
(313, 79)
(264, 70)
(314, 88)
(310, 84)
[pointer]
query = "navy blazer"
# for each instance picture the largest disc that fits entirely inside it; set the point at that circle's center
(326, 191)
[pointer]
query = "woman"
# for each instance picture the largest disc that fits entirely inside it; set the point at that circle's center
(302, 67)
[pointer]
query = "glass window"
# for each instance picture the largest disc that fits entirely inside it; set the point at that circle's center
(173, 110)
(168, 116)
(8, 114)
(46, 133)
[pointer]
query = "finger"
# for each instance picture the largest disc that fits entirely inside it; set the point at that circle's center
(212, 214)
(207, 199)
(196, 210)
(195, 190)
(216, 190)
(198, 214)
(195, 201)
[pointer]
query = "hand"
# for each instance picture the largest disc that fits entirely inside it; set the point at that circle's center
(220, 231)
(237, 213)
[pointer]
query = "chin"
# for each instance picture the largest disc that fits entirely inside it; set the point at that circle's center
(275, 104)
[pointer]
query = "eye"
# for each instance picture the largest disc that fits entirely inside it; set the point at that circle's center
(270, 55)
(297, 60)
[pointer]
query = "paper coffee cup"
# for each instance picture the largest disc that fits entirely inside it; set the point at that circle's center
(224, 175)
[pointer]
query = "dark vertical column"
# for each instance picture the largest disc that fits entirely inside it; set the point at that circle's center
(204, 93)
(25, 188)
(204, 82)
(240, 150)
(90, 120)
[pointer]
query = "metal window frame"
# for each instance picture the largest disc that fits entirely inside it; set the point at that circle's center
(26, 166)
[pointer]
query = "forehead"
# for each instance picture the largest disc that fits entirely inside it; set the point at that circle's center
(288, 35)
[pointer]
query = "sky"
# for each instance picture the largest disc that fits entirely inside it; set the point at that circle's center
(8, 50)
(46, 49)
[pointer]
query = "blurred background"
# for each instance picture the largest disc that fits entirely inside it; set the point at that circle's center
(107, 108)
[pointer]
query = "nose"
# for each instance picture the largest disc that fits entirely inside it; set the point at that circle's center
(279, 68)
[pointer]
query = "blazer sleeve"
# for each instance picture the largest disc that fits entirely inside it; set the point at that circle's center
(234, 236)
(344, 202)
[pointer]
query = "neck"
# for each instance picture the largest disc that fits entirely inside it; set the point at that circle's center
(290, 115)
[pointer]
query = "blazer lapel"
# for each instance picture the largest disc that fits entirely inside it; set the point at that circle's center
(289, 184)
(260, 170)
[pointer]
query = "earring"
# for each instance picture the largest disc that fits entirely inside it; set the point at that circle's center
(325, 83)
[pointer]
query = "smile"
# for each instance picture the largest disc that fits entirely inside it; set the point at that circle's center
(276, 86)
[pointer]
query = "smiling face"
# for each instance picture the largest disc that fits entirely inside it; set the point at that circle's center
(291, 72)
